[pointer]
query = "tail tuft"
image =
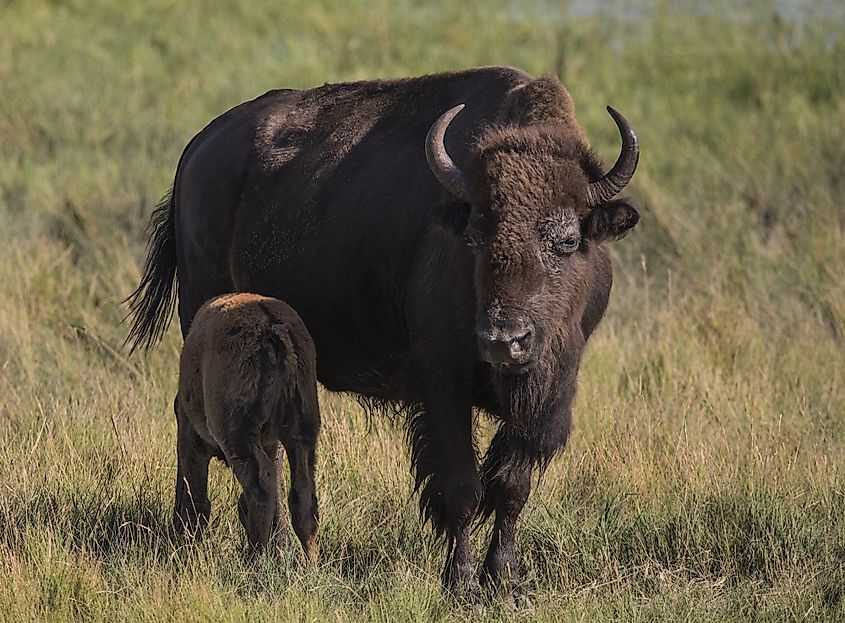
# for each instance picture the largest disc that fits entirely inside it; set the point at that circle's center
(151, 304)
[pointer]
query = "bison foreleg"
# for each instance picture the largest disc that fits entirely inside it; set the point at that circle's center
(280, 526)
(507, 476)
(508, 466)
(278, 530)
(443, 453)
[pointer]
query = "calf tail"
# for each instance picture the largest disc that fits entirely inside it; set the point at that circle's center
(280, 335)
(151, 304)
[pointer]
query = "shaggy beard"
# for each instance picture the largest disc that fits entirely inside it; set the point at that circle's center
(528, 396)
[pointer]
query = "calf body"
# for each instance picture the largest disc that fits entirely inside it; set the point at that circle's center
(247, 387)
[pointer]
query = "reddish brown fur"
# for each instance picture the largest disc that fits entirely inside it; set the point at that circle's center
(247, 381)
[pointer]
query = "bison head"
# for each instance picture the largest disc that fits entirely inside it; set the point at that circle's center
(533, 201)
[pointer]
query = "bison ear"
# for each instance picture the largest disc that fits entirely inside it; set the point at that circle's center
(452, 216)
(612, 220)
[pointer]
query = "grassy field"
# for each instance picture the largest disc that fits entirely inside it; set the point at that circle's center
(705, 478)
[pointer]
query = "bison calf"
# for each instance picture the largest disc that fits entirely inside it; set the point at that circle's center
(247, 381)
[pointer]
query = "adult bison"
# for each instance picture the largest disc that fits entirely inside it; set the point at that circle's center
(432, 285)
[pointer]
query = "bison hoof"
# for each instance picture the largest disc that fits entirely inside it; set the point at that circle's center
(518, 601)
(462, 584)
(508, 587)
(468, 597)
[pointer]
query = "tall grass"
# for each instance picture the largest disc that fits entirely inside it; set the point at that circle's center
(704, 479)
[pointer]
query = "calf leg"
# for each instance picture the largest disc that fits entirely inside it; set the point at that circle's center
(279, 532)
(280, 526)
(300, 440)
(192, 508)
(256, 473)
(302, 499)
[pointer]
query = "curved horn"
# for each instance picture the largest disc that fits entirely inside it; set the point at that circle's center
(618, 177)
(446, 171)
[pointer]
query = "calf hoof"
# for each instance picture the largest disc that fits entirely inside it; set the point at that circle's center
(279, 540)
(311, 551)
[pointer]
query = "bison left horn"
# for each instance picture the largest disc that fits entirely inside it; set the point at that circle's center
(446, 171)
(618, 177)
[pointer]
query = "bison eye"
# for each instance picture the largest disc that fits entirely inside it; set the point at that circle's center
(567, 245)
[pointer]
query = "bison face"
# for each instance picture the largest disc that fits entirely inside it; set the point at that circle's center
(532, 230)
(531, 214)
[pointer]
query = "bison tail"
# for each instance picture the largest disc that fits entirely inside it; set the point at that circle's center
(151, 304)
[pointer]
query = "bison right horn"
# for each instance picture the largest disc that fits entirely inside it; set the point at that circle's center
(618, 177)
(446, 171)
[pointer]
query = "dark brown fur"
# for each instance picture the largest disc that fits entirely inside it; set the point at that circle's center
(247, 387)
(322, 197)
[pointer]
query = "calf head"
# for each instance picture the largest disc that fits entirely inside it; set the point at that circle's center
(533, 200)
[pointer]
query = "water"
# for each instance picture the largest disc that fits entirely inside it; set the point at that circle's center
(795, 10)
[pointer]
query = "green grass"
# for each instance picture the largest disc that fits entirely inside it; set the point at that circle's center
(704, 479)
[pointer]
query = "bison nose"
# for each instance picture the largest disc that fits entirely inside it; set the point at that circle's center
(520, 344)
(506, 346)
